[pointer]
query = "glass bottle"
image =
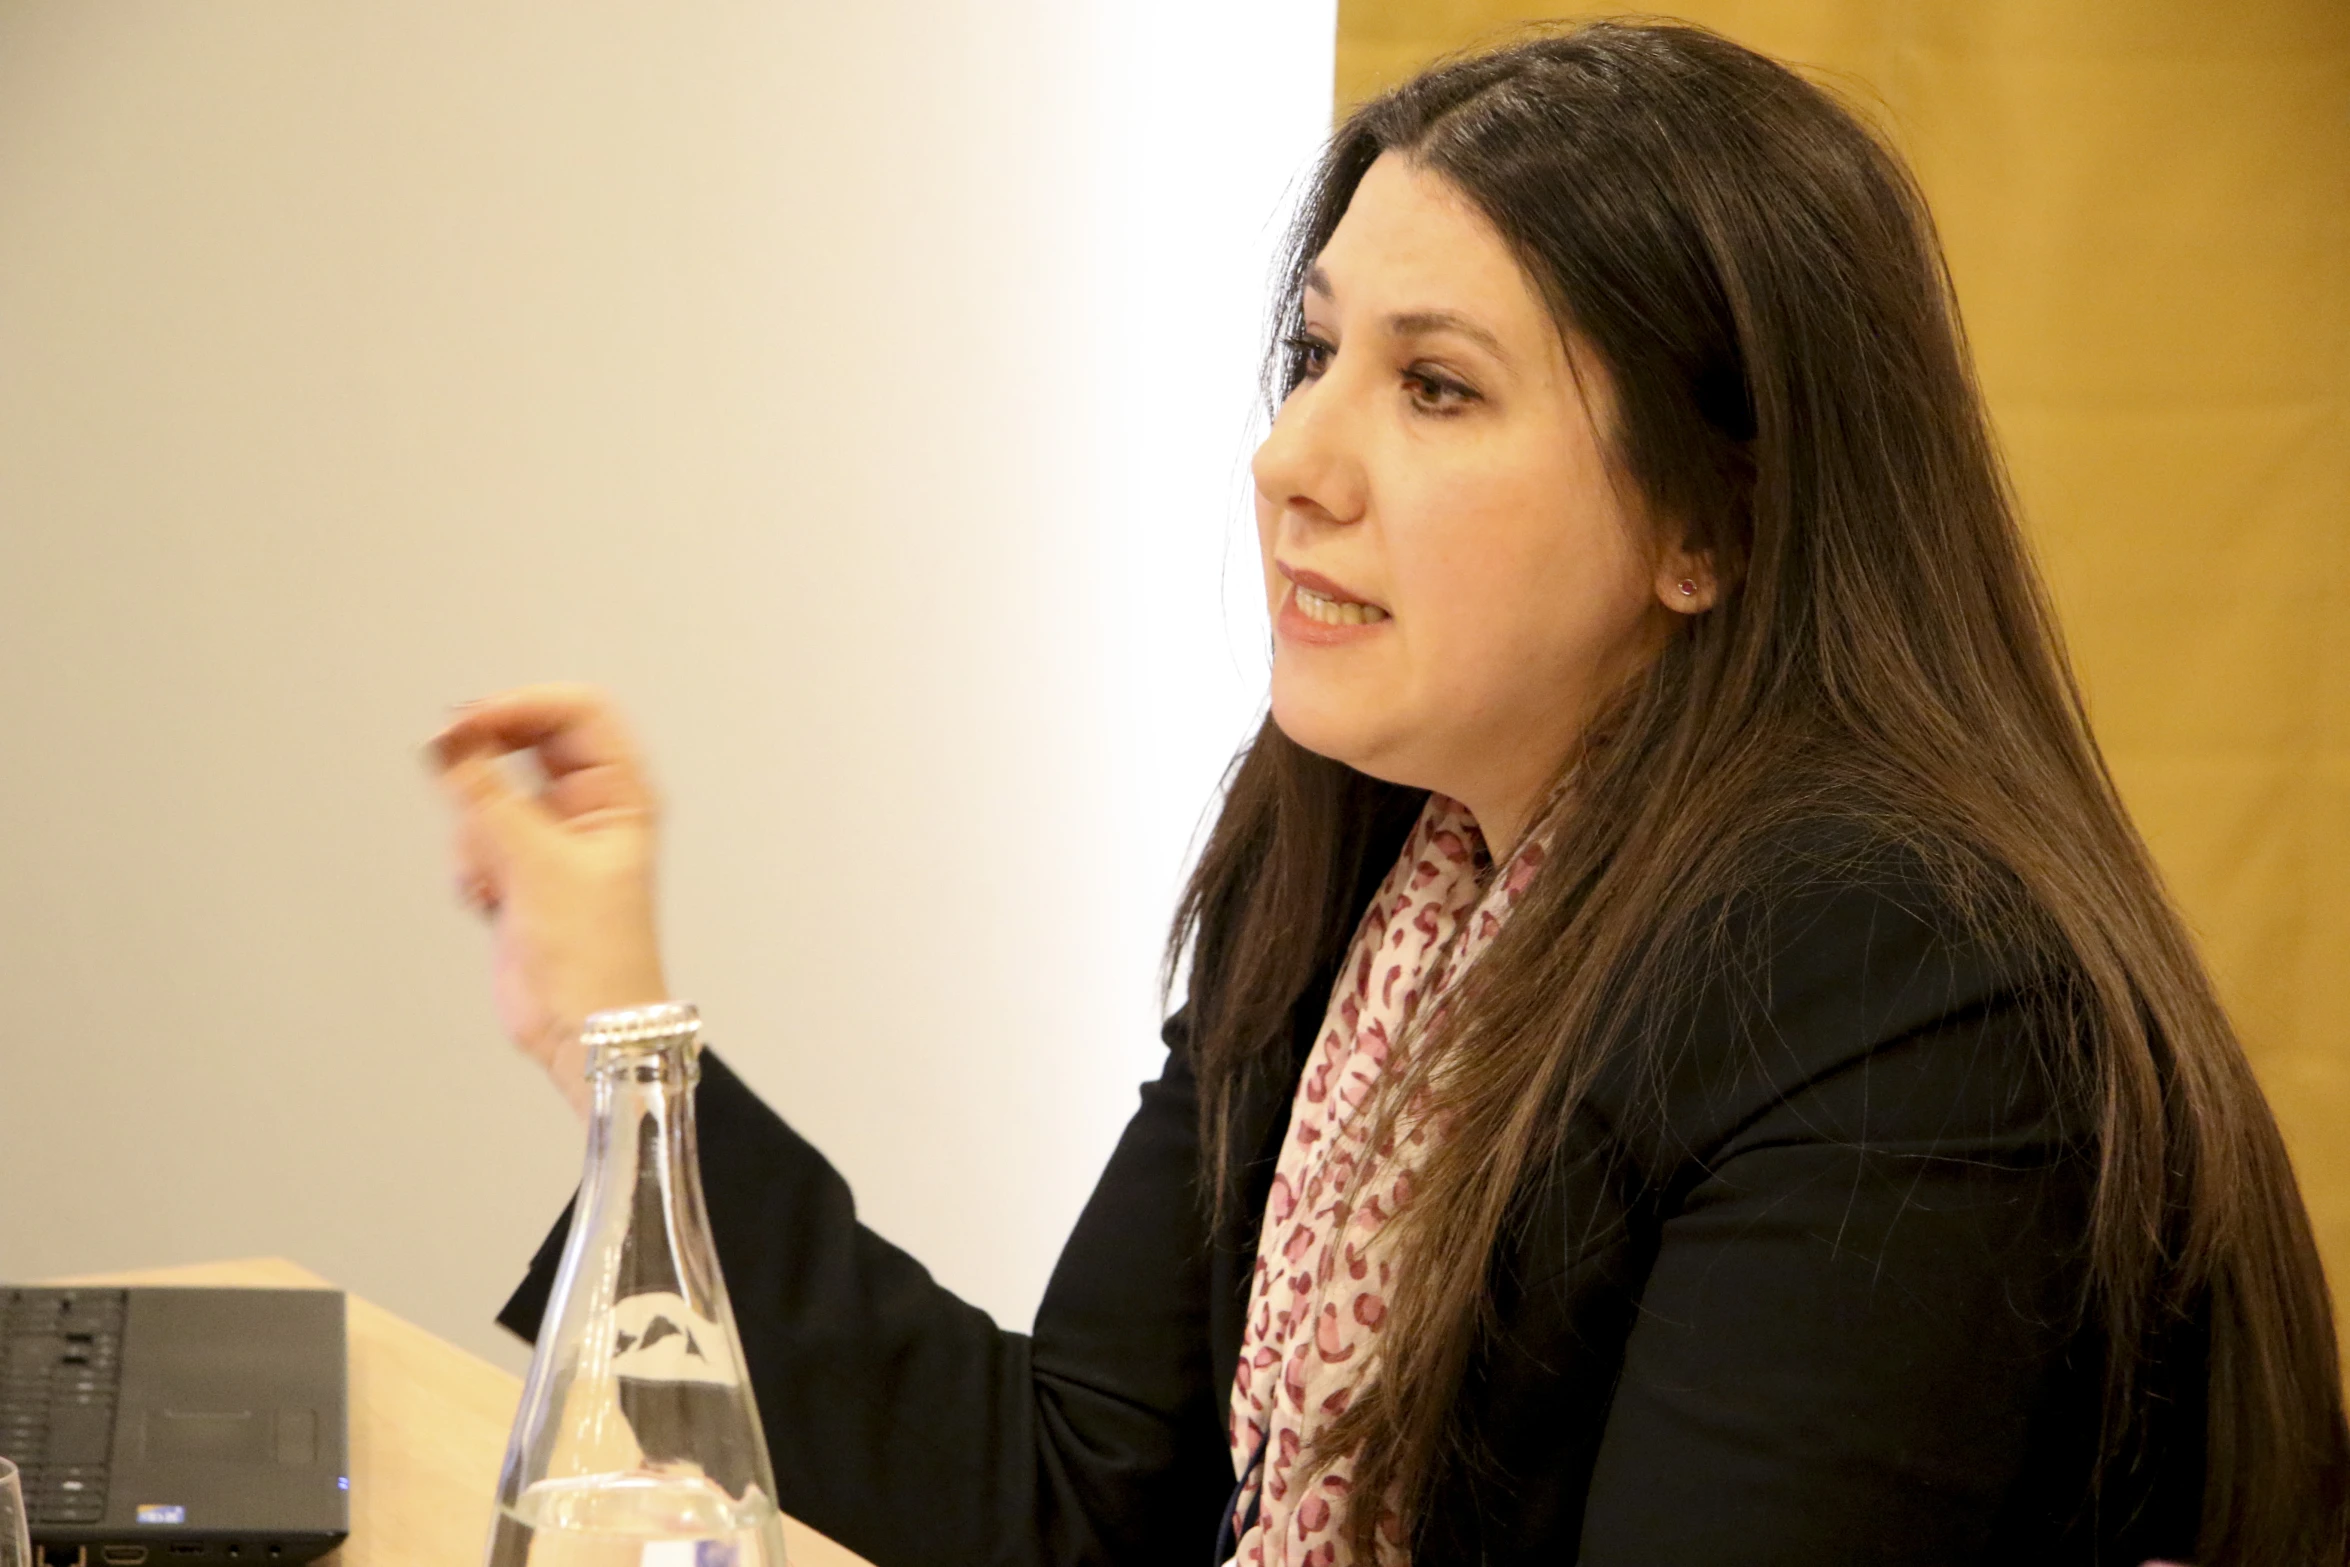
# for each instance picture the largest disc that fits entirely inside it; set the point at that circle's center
(637, 1444)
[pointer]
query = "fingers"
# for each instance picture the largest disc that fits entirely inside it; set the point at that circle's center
(476, 879)
(478, 892)
(571, 728)
(581, 745)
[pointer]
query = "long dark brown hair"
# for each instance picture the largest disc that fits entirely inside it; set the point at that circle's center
(1759, 280)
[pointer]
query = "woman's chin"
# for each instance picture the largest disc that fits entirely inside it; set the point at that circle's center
(1329, 730)
(1312, 726)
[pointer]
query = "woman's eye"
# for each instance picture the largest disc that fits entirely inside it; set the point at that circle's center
(1309, 356)
(1438, 393)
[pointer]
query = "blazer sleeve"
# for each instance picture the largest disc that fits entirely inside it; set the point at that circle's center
(904, 1422)
(1871, 1192)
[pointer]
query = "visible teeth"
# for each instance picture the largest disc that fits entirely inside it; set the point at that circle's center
(1331, 612)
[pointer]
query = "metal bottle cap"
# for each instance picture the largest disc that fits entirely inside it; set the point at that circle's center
(640, 1030)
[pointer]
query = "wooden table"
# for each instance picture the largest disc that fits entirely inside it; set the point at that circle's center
(428, 1431)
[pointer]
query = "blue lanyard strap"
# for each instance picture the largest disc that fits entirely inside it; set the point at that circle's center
(1240, 1513)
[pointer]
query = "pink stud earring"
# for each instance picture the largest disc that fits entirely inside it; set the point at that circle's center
(1688, 587)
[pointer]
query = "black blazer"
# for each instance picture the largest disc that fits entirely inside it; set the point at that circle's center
(1804, 1290)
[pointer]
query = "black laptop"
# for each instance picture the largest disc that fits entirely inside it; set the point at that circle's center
(177, 1425)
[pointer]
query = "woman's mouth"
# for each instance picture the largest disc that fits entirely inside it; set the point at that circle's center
(1328, 611)
(1317, 612)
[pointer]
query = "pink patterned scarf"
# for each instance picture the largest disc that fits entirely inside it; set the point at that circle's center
(1325, 1263)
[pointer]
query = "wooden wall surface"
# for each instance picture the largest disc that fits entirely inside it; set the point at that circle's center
(2147, 209)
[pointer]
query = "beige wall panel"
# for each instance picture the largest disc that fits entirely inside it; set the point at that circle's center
(857, 391)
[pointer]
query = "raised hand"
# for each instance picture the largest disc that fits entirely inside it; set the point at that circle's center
(564, 873)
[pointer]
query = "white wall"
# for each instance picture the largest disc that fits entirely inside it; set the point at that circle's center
(861, 392)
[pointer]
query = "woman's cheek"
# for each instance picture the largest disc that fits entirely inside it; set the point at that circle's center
(1268, 535)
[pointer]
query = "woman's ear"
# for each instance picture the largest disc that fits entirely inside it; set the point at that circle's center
(1685, 581)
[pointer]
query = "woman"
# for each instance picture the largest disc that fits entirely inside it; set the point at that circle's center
(1685, 1059)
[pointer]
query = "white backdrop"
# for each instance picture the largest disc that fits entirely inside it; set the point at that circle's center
(862, 392)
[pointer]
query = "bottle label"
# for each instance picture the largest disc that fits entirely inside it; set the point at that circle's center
(661, 1338)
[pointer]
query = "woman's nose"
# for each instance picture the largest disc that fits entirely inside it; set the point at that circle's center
(1310, 461)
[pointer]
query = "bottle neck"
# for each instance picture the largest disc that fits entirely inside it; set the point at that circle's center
(628, 1083)
(642, 1184)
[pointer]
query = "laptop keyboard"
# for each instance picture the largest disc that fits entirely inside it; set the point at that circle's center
(63, 1350)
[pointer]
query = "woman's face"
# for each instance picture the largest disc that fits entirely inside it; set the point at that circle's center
(1455, 577)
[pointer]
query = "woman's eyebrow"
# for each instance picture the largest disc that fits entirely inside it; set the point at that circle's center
(1417, 323)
